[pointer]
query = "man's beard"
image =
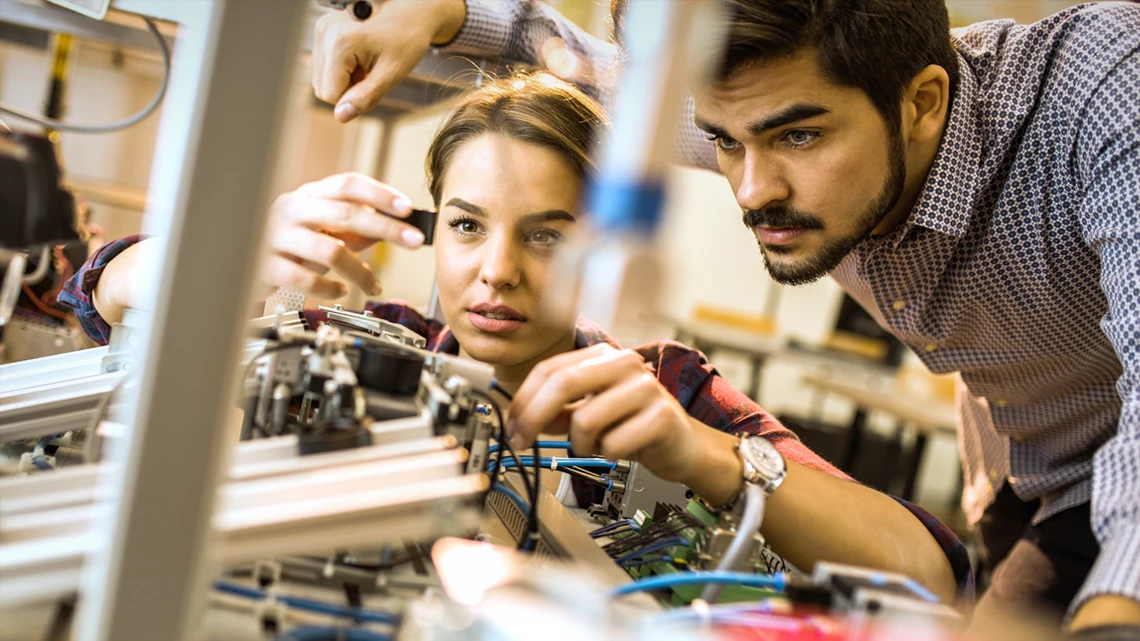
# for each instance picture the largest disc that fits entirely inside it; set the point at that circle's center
(828, 258)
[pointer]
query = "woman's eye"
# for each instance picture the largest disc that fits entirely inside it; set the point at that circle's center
(464, 226)
(545, 237)
(800, 138)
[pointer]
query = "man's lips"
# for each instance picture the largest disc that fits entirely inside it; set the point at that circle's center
(779, 235)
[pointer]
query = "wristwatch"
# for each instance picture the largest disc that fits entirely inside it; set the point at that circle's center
(763, 463)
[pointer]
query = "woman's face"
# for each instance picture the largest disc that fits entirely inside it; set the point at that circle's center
(505, 207)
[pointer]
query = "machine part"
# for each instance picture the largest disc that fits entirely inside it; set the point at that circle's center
(51, 369)
(275, 324)
(872, 594)
(636, 488)
(371, 326)
(481, 376)
(48, 567)
(389, 369)
(718, 538)
(743, 548)
(38, 210)
(11, 286)
(53, 408)
(343, 434)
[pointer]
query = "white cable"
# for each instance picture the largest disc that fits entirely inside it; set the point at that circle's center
(738, 549)
(122, 124)
(41, 268)
(564, 488)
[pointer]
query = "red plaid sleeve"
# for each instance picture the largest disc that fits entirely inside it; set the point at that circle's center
(76, 292)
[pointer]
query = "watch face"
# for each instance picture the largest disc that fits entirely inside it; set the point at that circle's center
(764, 456)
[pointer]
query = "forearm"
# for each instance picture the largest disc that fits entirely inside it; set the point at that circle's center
(817, 517)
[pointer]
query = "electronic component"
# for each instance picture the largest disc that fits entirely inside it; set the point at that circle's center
(635, 488)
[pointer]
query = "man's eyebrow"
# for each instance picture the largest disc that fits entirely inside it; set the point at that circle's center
(709, 128)
(470, 208)
(786, 116)
(547, 216)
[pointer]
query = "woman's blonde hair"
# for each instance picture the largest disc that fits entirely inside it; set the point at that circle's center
(536, 108)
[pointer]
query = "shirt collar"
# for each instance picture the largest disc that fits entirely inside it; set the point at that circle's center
(947, 198)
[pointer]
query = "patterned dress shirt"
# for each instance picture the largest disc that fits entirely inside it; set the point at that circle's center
(1019, 267)
(683, 371)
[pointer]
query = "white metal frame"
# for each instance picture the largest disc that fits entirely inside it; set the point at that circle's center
(217, 151)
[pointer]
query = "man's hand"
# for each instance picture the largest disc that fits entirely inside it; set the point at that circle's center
(610, 404)
(321, 225)
(1106, 609)
(356, 62)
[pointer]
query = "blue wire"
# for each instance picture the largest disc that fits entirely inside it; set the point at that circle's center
(499, 487)
(642, 561)
(773, 582)
(324, 633)
(567, 462)
(310, 605)
(550, 445)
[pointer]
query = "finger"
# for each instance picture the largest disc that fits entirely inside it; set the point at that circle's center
(541, 372)
(360, 189)
(333, 59)
(635, 435)
(594, 375)
(351, 222)
(363, 96)
(609, 410)
(279, 271)
(324, 250)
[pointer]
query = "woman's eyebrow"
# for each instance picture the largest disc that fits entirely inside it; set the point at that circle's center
(548, 216)
(470, 208)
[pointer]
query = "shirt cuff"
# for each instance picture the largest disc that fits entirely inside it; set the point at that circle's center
(486, 29)
(77, 291)
(1117, 568)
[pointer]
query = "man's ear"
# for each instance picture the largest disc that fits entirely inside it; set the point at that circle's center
(926, 105)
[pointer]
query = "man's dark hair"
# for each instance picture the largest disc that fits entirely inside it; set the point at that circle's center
(876, 46)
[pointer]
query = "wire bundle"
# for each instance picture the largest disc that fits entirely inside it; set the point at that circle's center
(531, 485)
(674, 530)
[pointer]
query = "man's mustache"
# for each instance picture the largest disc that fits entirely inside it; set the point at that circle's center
(781, 217)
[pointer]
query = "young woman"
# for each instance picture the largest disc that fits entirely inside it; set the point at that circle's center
(505, 171)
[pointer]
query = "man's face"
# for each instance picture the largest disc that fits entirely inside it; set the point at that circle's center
(813, 166)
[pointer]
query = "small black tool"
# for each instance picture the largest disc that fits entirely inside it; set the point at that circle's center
(362, 9)
(423, 220)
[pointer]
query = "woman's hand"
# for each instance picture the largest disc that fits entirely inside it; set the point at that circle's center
(611, 404)
(321, 225)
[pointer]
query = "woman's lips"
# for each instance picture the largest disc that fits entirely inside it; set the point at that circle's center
(779, 236)
(493, 325)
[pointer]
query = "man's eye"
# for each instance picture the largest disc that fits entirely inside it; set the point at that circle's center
(724, 143)
(800, 138)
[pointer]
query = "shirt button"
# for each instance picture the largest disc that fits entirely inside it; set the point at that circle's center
(1002, 402)
(930, 347)
(994, 476)
(898, 305)
(1018, 438)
